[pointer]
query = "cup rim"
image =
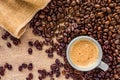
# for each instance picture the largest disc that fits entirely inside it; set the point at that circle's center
(100, 53)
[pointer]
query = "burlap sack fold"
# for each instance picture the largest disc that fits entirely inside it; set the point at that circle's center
(15, 14)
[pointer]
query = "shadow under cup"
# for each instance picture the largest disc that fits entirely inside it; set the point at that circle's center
(98, 60)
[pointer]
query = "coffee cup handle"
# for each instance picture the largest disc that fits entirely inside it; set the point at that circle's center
(103, 66)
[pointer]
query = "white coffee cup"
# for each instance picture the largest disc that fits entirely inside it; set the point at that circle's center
(98, 62)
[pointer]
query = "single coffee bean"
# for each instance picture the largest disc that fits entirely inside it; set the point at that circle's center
(50, 55)
(57, 61)
(4, 37)
(100, 14)
(52, 79)
(24, 65)
(108, 9)
(40, 78)
(36, 43)
(9, 67)
(67, 76)
(7, 33)
(57, 74)
(97, 6)
(41, 16)
(6, 65)
(30, 51)
(30, 43)
(30, 75)
(20, 68)
(30, 66)
(103, 9)
(9, 45)
(28, 78)
(49, 18)
(117, 41)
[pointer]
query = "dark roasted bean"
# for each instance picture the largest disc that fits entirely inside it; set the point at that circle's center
(67, 76)
(50, 55)
(40, 78)
(9, 67)
(30, 75)
(4, 37)
(52, 79)
(24, 65)
(30, 51)
(30, 66)
(30, 43)
(9, 45)
(57, 74)
(36, 43)
(57, 61)
(20, 68)
(28, 78)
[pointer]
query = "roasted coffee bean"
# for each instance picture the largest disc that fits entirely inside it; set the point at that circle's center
(40, 78)
(28, 78)
(30, 75)
(49, 18)
(57, 61)
(9, 45)
(41, 16)
(57, 74)
(50, 73)
(105, 30)
(9, 67)
(20, 68)
(43, 73)
(37, 23)
(24, 65)
(108, 9)
(39, 47)
(67, 76)
(15, 43)
(30, 43)
(50, 55)
(53, 66)
(36, 43)
(30, 51)
(7, 34)
(97, 6)
(103, 9)
(30, 66)
(100, 14)
(52, 79)
(39, 71)
(6, 65)
(116, 76)
(117, 41)
(4, 37)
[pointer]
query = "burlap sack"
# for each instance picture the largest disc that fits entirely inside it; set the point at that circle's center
(15, 14)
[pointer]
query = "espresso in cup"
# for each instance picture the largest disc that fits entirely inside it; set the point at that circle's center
(83, 53)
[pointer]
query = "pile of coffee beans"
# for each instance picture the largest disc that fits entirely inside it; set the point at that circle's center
(67, 19)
